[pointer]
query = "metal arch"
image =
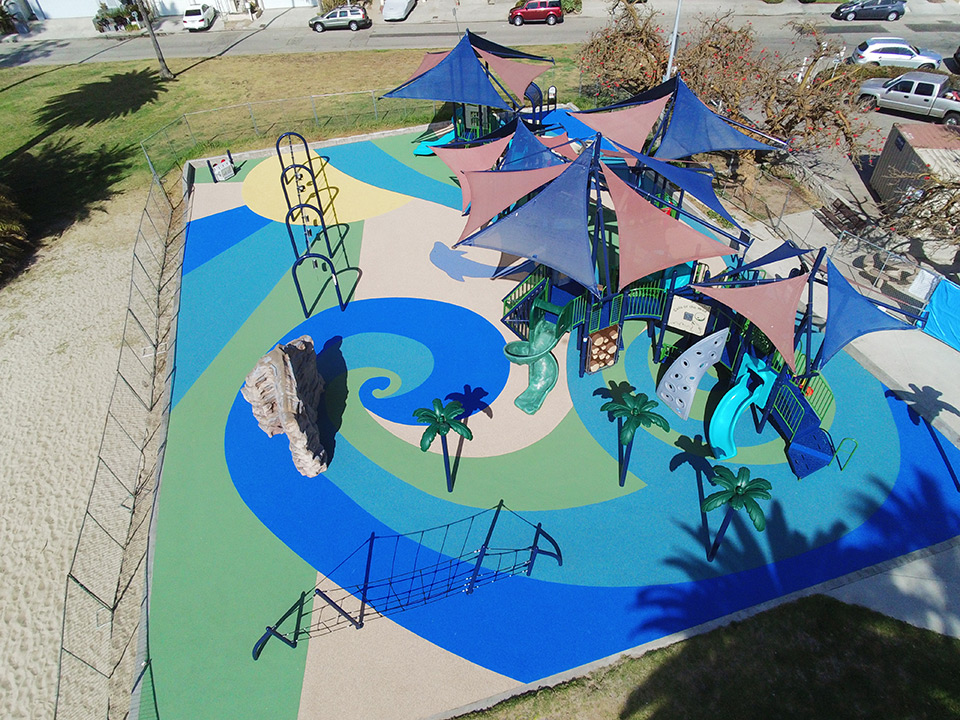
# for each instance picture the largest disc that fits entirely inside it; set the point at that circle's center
(323, 227)
(336, 280)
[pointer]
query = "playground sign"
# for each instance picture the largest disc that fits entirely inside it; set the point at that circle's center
(222, 170)
(688, 316)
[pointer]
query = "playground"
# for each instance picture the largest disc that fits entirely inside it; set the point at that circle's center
(550, 544)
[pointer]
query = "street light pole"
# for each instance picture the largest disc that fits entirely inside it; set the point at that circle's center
(673, 42)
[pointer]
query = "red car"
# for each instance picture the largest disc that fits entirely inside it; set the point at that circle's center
(548, 11)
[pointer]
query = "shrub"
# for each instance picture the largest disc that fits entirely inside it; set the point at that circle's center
(571, 6)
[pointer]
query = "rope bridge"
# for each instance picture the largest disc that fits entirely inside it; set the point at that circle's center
(388, 574)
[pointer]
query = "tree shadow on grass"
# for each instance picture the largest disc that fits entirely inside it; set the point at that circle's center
(815, 657)
(57, 185)
(93, 103)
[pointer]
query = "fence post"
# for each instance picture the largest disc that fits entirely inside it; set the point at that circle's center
(253, 120)
(483, 550)
(373, 96)
(313, 105)
(189, 129)
(366, 580)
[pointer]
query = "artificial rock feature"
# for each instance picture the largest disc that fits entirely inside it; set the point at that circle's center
(284, 390)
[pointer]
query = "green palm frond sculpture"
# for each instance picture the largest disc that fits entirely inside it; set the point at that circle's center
(633, 412)
(740, 492)
(440, 420)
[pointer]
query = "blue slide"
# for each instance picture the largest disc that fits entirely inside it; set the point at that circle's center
(755, 380)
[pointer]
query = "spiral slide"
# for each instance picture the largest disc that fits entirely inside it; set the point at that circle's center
(754, 382)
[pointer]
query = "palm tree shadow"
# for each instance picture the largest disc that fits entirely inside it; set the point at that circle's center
(472, 401)
(333, 369)
(694, 453)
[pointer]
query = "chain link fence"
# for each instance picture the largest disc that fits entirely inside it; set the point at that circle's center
(105, 665)
(104, 608)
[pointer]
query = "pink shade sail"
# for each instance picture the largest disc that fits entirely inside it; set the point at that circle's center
(480, 157)
(651, 240)
(630, 126)
(772, 307)
(515, 75)
(429, 62)
(560, 144)
(492, 191)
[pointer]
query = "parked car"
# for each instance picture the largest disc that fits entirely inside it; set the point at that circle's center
(889, 10)
(918, 93)
(894, 51)
(198, 18)
(396, 10)
(548, 11)
(346, 16)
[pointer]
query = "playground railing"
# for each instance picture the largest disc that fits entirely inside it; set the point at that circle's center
(104, 647)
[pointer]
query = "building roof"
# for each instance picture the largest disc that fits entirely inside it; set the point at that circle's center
(937, 146)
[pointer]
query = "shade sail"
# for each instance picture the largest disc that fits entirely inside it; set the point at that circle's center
(459, 77)
(667, 87)
(698, 184)
(495, 190)
(628, 126)
(651, 240)
(502, 50)
(575, 128)
(479, 157)
(428, 62)
(850, 315)
(515, 75)
(552, 228)
(772, 307)
(560, 144)
(784, 251)
(695, 128)
(526, 152)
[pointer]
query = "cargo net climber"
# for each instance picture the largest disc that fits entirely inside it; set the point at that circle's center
(303, 185)
(388, 574)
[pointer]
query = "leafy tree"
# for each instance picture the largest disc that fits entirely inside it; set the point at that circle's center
(633, 412)
(440, 420)
(738, 492)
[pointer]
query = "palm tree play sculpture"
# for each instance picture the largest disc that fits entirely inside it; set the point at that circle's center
(633, 412)
(440, 420)
(738, 492)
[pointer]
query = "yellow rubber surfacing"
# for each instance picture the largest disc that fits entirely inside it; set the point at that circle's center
(342, 198)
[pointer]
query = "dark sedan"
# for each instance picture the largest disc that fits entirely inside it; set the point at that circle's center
(889, 10)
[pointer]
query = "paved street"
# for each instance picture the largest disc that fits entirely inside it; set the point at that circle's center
(438, 23)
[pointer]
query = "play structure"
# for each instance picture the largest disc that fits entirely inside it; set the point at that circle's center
(389, 574)
(303, 187)
(590, 200)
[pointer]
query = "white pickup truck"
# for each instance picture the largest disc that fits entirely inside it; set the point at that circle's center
(917, 93)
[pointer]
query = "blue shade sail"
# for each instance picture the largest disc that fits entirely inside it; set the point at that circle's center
(695, 128)
(552, 228)
(458, 78)
(696, 183)
(784, 251)
(850, 315)
(655, 93)
(525, 152)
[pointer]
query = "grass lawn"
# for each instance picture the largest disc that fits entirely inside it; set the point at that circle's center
(814, 658)
(72, 133)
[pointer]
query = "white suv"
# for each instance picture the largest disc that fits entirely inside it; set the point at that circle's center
(894, 51)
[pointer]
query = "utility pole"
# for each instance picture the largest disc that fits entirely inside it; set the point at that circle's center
(673, 42)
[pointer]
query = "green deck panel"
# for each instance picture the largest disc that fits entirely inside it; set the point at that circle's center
(215, 564)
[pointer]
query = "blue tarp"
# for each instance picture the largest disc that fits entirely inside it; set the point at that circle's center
(943, 322)
(458, 78)
(552, 228)
(850, 315)
(525, 152)
(697, 184)
(695, 128)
